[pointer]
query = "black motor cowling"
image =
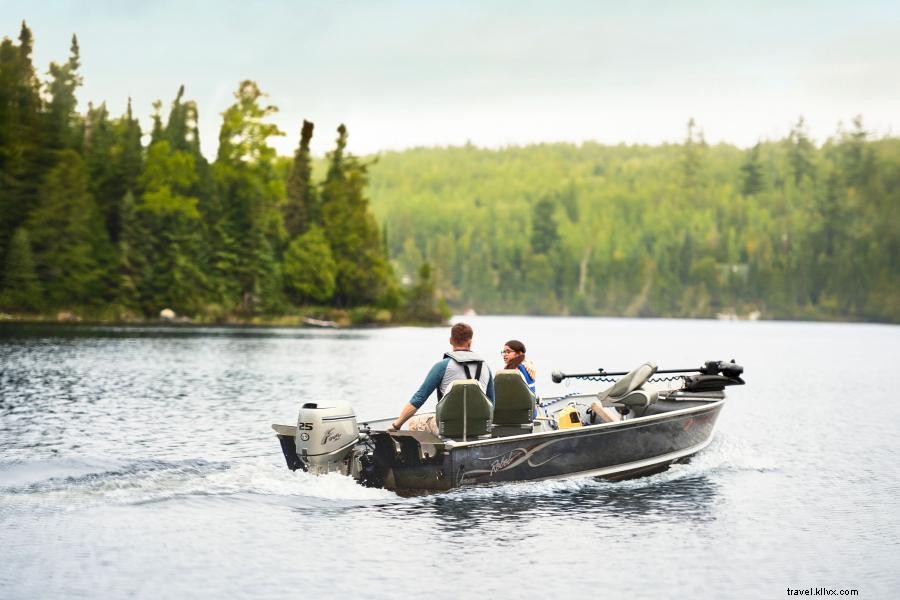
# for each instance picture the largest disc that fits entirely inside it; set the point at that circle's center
(714, 376)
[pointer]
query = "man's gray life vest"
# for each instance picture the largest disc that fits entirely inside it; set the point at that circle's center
(467, 360)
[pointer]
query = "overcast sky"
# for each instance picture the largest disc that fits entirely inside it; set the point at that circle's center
(403, 74)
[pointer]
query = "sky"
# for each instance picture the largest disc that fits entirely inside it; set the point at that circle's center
(403, 74)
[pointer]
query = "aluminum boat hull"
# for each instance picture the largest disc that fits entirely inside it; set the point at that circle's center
(415, 461)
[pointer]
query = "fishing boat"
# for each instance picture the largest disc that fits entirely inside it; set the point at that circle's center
(645, 421)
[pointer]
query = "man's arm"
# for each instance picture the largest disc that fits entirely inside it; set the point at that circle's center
(408, 411)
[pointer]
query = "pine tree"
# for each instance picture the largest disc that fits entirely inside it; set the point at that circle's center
(98, 155)
(124, 158)
(544, 230)
(21, 136)
(21, 290)
(363, 274)
(182, 132)
(72, 254)
(156, 133)
(133, 250)
(421, 304)
(301, 210)
(309, 267)
(128, 136)
(855, 155)
(752, 172)
(800, 153)
(693, 155)
(165, 241)
(182, 128)
(113, 153)
(63, 121)
(249, 190)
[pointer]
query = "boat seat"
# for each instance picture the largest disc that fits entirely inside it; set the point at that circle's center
(513, 404)
(625, 394)
(464, 412)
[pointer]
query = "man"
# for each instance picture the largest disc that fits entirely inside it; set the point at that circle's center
(460, 363)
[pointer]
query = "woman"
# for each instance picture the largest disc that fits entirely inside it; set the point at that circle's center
(513, 355)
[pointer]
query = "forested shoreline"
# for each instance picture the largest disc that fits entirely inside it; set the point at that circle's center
(96, 225)
(785, 230)
(102, 220)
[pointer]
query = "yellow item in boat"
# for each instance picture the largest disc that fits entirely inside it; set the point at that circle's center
(568, 418)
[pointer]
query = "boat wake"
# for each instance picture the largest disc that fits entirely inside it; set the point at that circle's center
(79, 483)
(727, 454)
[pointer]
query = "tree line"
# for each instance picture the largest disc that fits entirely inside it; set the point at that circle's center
(94, 222)
(786, 229)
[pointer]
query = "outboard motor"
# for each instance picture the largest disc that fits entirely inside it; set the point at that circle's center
(326, 434)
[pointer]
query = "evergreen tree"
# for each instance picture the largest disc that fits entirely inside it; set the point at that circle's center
(800, 153)
(125, 158)
(544, 230)
(826, 236)
(134, 249)
(72, 254)
(301, 209)
(421, 304)
(21, 139)
(855, 156)
(164, 239)
(363, 274)
(249, 190)
(62, 119)
(21, 290)
(113, 153)
(752, 173)
(157, 134)
(336, 157)
(692, 158)
(309, 268)
(183, 135)
(98, 155)
(182, 129)
(128, 139)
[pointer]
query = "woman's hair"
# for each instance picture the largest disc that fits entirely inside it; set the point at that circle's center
(519, 348)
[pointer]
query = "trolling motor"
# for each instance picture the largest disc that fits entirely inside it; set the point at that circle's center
(728, 369)
(627, 395)
(713, 375)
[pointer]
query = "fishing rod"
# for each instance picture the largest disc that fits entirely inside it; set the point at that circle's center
(712, 367)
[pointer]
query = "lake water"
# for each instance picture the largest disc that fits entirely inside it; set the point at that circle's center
(140, 463)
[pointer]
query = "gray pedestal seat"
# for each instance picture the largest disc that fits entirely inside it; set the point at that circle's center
(625, 394)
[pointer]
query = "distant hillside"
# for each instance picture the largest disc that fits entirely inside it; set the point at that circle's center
(786, 228)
